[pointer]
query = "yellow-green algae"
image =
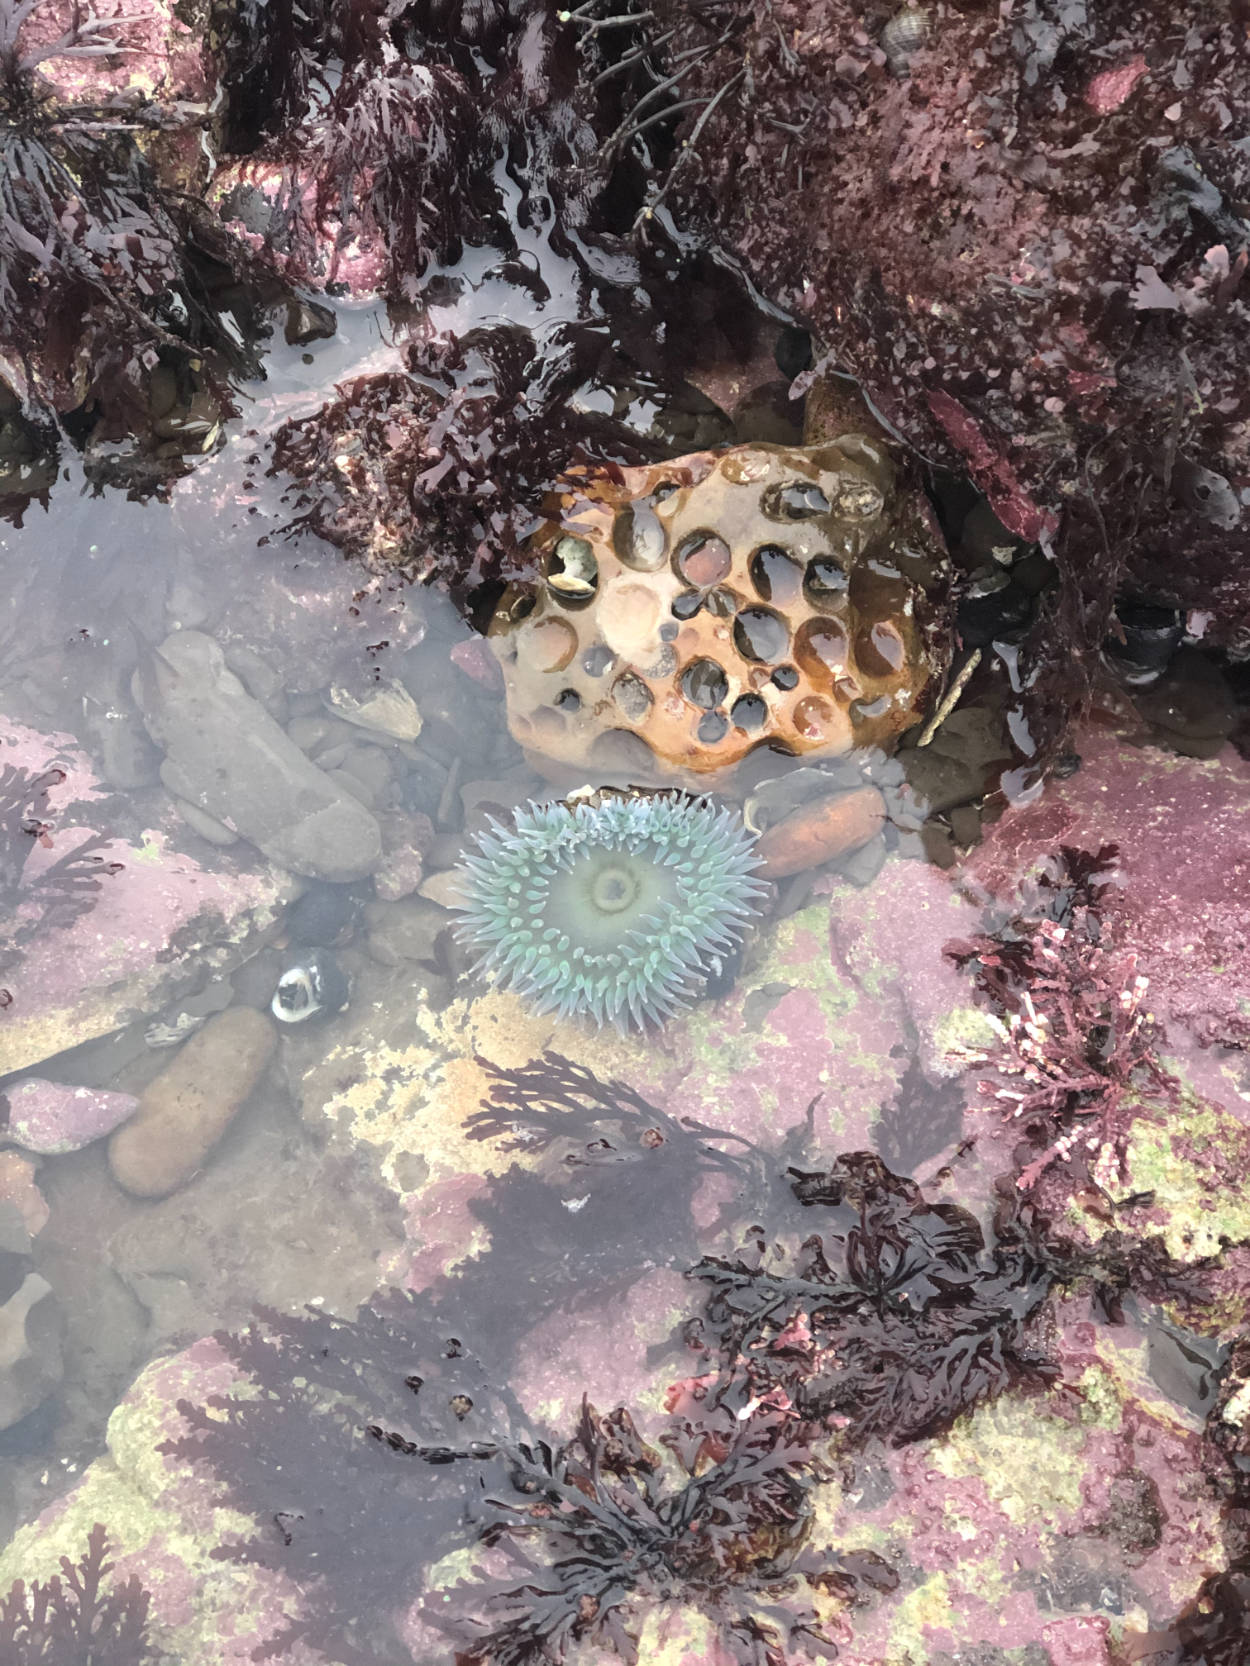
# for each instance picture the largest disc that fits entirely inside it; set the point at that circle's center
(136, 1493)
(1028, 1462)
(919, 1610)
(1193, 1157)
(724, 1047)
(962, 1037)
(1237, 1410)
(409, 1087)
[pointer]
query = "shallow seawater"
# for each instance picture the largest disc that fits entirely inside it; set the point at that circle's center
(94, 583)
(451, 1239)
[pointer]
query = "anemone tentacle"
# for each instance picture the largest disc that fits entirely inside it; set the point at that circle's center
(612, 909)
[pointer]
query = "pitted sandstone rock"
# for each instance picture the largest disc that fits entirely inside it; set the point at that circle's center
(692, 611)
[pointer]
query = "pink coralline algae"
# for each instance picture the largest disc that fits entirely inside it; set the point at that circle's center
(100, 216)
(760, 1497)
(87, 920)
(160, 56)
(50, 1622)
(1183, 875)
(1076, 1044)
(990, 468)
(50, 1117)
(272, 204)
(1108, 90)
(38, 891)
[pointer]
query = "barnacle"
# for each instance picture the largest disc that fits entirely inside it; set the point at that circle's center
(615, 908)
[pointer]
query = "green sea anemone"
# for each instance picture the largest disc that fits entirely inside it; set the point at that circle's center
(615, 909)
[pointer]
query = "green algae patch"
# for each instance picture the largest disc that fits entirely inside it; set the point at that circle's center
(163, 1512)
(1030, 1464)
(927, 1607)
(795, 1025)
(103, 1494)
(796, 957)
(962, 1038)
(1190, 1159)
(1196, 1167)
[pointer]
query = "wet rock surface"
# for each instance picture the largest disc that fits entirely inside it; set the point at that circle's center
(1183, 831)
(227, 756)
(268, 1219)
(126, 923)
(1062, 1525)
(570, 1257)
(22, 1204)
(1019, 309)
(30, 1348)
(51, 1117)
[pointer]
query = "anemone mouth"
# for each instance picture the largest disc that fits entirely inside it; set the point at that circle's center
(614, 888)
(612, 910)
(605, 897)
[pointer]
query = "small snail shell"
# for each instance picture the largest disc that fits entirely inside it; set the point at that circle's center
(314, 988)
(573, 569)
(905, 33)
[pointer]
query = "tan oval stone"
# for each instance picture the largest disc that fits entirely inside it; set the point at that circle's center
(185, 1110)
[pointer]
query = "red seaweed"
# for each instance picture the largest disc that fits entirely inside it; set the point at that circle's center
(74, 1619)
(1076, 1047)
(104, 265)
(58, 893)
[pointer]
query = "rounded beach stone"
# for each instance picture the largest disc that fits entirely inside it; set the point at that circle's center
(225, 756)
(188, 1107)
(53, 1117)
(818, 832)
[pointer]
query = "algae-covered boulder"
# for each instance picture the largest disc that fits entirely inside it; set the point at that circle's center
(1021, 1481)
(164, 1520)
(97, 928)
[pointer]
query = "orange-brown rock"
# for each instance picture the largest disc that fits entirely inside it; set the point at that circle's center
(692, 611)
(818, 832)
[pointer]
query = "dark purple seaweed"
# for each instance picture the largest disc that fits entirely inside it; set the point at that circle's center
(75, 1618)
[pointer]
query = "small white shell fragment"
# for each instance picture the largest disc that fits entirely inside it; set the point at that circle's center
(570, 585)
(389, 710)
(576, 572)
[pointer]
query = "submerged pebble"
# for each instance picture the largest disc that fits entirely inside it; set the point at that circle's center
(389, 710)
(404, 930)
(208, 827)
(828, 827)
(323, 914)
(184, 1111)
(1190, 707)
(54, 1117)
(227, 757)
